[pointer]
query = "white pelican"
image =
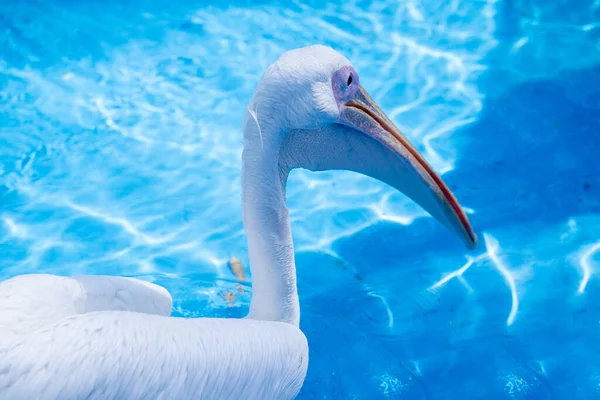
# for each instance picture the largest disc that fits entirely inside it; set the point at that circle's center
(103, 337)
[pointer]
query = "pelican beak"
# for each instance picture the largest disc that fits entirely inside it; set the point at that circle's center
(414, 176)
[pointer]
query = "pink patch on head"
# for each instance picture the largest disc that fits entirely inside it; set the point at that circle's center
(345, 84)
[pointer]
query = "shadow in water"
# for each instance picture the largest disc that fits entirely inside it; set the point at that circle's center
(534, 155)
(530, 163)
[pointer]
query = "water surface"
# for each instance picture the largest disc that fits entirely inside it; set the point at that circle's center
(120, 150)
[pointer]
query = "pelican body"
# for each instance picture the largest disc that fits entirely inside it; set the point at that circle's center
(105, 337)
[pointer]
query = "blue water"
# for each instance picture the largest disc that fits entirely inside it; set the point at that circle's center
(120, 153)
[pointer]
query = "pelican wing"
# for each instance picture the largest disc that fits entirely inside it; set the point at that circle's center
(29, 303)
(125, 355)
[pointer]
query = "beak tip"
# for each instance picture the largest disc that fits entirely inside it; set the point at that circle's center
(472, 242)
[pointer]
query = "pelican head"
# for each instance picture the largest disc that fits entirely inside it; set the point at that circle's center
(311, 111)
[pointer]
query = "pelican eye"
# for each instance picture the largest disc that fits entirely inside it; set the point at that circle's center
(350, 80)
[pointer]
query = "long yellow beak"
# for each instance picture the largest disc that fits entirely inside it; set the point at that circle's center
(418, 181)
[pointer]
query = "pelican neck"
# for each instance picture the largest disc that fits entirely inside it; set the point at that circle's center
(268, 231)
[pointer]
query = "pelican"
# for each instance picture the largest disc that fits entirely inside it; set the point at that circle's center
(106, 337)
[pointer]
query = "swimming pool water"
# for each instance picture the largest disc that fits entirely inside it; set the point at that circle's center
(120, 149)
